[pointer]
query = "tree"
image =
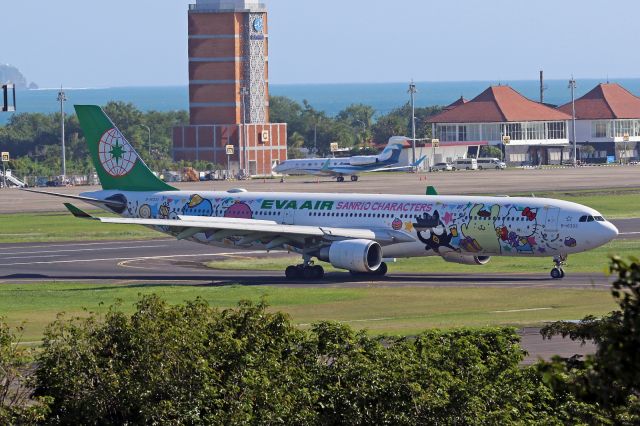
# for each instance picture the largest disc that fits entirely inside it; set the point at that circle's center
(15, 404)
(586, 151)
(611, 377)
(489, 151)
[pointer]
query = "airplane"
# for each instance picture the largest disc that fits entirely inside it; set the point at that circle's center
(339, 167)
(354, 232)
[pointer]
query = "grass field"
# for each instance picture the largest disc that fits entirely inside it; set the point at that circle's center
(591, 261)
(50, 227)
(382, 310)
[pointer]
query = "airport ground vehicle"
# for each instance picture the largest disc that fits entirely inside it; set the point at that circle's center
(465, 164)
(354, 232)
(441, 167)
(491, 163)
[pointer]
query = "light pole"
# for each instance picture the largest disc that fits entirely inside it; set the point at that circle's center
(148, 137)
(244, 92)
(315, 135)
(364, 129)
(412, 91)
(62, 99)
(572, 86)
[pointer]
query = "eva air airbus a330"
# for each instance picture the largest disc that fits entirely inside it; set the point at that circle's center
(354, 232)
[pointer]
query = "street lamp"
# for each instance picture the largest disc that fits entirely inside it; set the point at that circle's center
(148, 136)
(364, 129)
(62, 99)
(572, 86)
(244, 91)
(412, 91)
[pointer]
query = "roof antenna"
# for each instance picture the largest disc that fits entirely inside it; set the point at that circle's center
(607, 78)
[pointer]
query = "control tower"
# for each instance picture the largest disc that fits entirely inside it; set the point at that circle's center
(229, 89)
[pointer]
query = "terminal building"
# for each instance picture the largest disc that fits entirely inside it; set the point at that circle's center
(608, 120)
(229, 90)
(538, 133)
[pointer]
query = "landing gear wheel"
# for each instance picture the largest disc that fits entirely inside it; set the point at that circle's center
(354, 178)
(292, 272)
(382, 270)
(318, 272)
(340, 178)
(308, 273)
(557, 273)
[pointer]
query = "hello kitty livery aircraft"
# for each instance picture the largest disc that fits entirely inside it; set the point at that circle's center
(355, 232)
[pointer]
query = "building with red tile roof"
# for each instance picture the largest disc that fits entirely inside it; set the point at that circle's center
(537, 132)
(607, 120)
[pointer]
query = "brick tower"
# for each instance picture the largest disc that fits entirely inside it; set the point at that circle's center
(229, 90)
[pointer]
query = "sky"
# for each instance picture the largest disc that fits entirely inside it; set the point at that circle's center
(89, 43)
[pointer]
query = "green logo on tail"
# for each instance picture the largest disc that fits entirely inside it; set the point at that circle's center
(118, 165)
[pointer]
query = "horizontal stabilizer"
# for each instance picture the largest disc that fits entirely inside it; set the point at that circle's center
(77, 212)
(114, 204)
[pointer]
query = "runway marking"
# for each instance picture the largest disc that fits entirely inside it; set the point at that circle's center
(520, 310)
(124, 263)
(34, 257)
(17, 246)
(87, 249)
(629, 233)
(118, 258)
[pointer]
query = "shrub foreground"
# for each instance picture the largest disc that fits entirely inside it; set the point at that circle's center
(194, 364)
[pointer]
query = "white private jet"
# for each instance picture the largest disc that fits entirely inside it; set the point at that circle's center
(341, 167)
(355, 232)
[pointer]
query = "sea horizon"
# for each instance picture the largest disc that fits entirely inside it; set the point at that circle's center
(328, 97)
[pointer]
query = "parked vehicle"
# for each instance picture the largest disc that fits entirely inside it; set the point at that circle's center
(441, 167)
(491, 163)
(465, 164)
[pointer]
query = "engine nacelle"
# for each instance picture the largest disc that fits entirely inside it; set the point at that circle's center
(363, 160)
(354, 255)
(466, 260)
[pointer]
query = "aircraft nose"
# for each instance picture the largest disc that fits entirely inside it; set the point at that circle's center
(608, 231)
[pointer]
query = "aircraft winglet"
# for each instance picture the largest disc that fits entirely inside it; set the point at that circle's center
(418, 161)
(77, 212)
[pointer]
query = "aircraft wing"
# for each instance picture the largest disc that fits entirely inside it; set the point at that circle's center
(250, 230)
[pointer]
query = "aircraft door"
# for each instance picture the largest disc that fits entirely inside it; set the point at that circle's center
(288, 216)
(550, 219)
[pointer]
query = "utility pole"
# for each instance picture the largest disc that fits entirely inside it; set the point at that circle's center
(62, 99)
(412, 92)
(572, 86)
(542, 88)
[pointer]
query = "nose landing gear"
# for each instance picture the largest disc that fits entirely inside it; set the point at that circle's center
(557, 273)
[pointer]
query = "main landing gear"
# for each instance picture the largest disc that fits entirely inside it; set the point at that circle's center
(307, 271)
(557, 273)
(354, 178)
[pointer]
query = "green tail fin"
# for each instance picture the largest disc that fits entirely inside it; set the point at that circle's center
(431, 190)
(118, 165)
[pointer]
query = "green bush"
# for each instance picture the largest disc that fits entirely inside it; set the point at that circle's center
(193, 364)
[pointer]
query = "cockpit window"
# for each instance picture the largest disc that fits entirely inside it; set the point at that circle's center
(599, 218)
(583, 218)
(590, 219)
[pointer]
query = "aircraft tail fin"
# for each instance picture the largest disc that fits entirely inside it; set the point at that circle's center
(325, 166)
(118, 165)
(431, 190)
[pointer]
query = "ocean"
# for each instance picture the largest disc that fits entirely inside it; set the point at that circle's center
(330, 98)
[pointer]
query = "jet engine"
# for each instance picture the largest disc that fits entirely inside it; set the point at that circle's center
(466, 260)
(354, 255)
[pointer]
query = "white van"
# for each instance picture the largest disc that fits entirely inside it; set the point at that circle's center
(465, 164)
(491, 163)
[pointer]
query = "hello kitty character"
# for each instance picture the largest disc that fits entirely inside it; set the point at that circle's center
(516, 230)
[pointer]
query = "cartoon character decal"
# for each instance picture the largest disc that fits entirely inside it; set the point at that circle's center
(517, 230)
(198, 206)
(396, 224)
(479, 232)
(239, 210)
(570, 242)
(144, 211)
(433, 233)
